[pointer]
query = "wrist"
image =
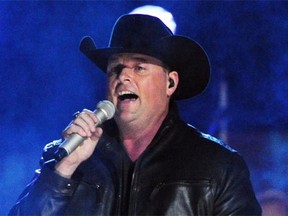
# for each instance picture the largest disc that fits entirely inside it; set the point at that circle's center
(65, 170)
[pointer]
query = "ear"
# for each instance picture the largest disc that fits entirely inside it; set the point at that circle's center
(172, 82)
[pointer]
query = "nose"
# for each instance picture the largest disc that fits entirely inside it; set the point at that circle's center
(125, 74)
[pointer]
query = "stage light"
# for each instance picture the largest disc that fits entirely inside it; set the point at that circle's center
(166, 17)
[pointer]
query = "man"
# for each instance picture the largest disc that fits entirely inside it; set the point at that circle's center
(146, 160)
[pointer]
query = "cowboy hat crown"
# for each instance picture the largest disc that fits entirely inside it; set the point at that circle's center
(148, 35)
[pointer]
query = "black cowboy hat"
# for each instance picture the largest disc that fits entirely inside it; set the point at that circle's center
(148, 35)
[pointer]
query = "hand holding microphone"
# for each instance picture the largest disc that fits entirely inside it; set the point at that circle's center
(82, 129)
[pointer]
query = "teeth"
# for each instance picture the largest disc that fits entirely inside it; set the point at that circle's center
(124, 93)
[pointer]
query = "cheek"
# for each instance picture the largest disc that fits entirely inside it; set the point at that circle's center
(156, 88)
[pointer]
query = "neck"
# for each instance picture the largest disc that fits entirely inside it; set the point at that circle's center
(136, 139)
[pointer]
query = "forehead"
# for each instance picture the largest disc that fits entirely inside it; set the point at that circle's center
(133, 57)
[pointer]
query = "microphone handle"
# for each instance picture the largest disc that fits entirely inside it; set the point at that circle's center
(74, 140)
(68, 146)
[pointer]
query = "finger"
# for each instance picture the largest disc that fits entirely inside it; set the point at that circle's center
(89, 117)
(92, 115)
(85, 120)
(82, 123)
(72, 129)
(97, 134)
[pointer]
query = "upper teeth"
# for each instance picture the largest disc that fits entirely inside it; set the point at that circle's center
(125, 92)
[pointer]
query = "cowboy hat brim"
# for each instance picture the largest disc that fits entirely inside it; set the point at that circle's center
(179, 53)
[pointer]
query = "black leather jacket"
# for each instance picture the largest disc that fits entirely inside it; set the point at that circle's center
(182, 172)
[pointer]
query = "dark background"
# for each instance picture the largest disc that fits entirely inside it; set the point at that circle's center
(45, 79)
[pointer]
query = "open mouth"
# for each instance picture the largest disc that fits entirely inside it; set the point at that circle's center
(126, 95)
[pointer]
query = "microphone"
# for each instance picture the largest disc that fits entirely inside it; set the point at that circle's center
(105, 110)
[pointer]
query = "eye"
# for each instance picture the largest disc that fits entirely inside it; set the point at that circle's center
(139, 68)
(116, 70)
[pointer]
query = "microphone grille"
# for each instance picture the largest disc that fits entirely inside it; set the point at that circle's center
(107, 107)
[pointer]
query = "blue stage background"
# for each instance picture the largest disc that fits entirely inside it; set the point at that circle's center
(45, 79)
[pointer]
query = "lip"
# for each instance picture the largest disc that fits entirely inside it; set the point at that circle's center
(123, 92)
(127, 98)
(126, 106)
(127, 103)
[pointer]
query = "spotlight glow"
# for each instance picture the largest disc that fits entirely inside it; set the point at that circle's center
(161, 13)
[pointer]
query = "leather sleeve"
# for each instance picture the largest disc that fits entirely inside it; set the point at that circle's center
(236, 195)
(47, 194)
